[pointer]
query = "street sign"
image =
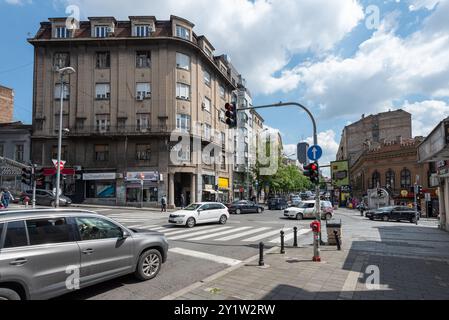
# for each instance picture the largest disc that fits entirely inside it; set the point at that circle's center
(302, 153)
(61, 165)
(314, 153)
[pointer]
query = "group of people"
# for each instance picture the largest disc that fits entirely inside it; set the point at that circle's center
(5, 198)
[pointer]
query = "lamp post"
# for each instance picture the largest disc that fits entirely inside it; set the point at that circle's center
(62, 72)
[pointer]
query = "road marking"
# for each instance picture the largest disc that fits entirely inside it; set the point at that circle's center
(219, 234)
(185, 230)
(205, 256)
(290, 236)
(242, 234)
(195, 234)
(265, 235)
(147, 227)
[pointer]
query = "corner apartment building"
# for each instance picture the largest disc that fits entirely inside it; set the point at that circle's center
(136, 82)
(6, 104)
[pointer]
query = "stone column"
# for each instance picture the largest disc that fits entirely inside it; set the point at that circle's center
(193, 189)
(171, 190)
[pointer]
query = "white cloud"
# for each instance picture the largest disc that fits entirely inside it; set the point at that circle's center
(386, 68)
(420, 4)
(19, 2)
(426, 115)
(260, 36)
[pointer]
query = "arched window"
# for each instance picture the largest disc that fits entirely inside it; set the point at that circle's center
(375, 179)
(390, 179)
(406, 178)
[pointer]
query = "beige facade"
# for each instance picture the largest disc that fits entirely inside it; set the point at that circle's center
(136, 82)
(6, 104)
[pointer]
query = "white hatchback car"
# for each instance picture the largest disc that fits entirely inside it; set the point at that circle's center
(201, 212)
(306, 210)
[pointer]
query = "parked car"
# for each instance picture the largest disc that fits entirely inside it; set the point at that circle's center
(296, 200)
(46, 198)
(393, 213)
(40, 249)
(198, 213)
(306, 210)
(277, 204)
(245, 206)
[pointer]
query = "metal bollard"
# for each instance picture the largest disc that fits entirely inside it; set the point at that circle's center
(295, 237)
(337, 240)
(261, 262)
(282, 242)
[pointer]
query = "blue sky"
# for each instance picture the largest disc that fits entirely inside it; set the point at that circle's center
(321, 53)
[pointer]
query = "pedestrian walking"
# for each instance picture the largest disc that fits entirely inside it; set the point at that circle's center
(163, 204)
(6, 198)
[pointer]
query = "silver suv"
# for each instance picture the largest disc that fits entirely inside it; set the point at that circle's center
(47, 253)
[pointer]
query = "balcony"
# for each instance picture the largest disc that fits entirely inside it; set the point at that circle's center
(119, 131)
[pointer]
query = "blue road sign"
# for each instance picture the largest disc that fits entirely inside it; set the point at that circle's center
(314, 153)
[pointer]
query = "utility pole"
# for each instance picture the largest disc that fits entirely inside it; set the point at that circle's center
(316, 241)
(34, 185)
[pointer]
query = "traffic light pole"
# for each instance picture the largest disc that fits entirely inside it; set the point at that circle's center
(34, 186)
(316, 241)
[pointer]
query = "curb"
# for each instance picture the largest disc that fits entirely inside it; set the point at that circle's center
(213, 277)
(114, 207)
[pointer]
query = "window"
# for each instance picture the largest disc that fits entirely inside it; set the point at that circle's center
(65, 94)
(375, 180)
(121, 124)
(406, 178)
(207, 104)
(96, 228)
(207, 78)
(15, 235)
(142, 30)
(101, 31)
(19, 152)
(223, 162)
(223, 139)
(221, 115)
(102, 123)
(390, 179)
(102, 91)
(38, 125)
(142, 122)
(45, 231)
(208, 52)
(103, 60)
(143, 59)
(183, 152)
(182, 32)
(143, 90)
(101, 152)
(79, 124)
(100, 189)
(183, 122)
(62, 32)
(61, 59)
(182, 61)
(54, 152)
(222, 92)
(182, 91)
(206, 131)
(143, 152)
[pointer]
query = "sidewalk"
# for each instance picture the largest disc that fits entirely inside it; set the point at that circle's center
(406, 269)
(120, 208)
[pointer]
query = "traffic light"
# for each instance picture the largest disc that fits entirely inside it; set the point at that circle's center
(231, 115)
(312, 171)
(419, 192)
(27, 176)
(379, 193)
(39, 175)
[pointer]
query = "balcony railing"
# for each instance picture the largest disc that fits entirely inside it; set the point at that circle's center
(119, 130)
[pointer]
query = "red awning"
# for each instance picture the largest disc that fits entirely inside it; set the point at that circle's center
(64, 172)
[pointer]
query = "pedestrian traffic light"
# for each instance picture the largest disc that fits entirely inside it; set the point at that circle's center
(379, 193)
(312, 171)
(27, 176)
(231, 115)
(39, 175)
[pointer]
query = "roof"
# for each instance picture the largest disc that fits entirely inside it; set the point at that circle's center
(34, 213)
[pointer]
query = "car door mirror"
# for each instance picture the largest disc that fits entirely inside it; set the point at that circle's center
(125, 234)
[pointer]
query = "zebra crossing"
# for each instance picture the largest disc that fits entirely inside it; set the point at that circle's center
(214, 233)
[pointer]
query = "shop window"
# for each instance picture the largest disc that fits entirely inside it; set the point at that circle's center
(100, 189)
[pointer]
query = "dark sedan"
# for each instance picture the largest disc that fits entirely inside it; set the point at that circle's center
(244, 206)
(45, 198)
(393, 213)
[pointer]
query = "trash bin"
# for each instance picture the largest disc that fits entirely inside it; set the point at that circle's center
(331, 226)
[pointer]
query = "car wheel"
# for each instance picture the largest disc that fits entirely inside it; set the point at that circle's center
(371, 218)
(413, 220)
(190, 222)
(8, 294)
(259, 210)
(385, 218)
(223, 219)
(328, 216)
(238, 211)
(299, 216)
(149, 265)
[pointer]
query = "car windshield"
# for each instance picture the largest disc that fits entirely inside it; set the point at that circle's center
(192, 207)
(385, 209)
